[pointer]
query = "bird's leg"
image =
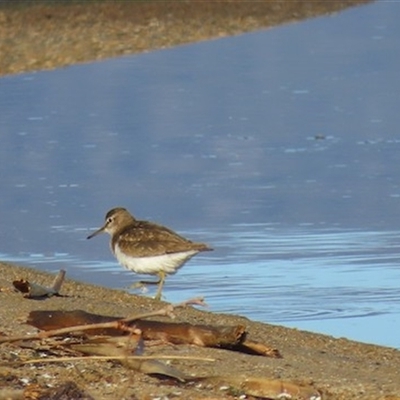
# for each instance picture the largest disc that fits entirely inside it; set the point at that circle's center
(161, 274)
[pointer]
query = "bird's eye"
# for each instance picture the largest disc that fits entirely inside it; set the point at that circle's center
(109, 220)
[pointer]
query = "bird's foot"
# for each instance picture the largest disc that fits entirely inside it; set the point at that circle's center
(157, 296)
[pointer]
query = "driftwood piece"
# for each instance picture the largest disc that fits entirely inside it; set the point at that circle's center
(227, 337)
(120, 325)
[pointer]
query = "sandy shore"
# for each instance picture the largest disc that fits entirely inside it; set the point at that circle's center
(36, 35)
(334, 368)
(39, 35)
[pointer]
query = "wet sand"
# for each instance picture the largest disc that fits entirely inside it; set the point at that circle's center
(46, 36)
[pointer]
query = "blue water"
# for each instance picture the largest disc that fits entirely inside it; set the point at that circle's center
(279, 148)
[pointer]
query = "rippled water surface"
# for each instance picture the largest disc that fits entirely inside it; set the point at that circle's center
(279, 148)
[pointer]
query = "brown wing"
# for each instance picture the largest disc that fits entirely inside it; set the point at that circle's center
(147, 238)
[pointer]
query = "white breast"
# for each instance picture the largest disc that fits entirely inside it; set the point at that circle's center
(169, 263)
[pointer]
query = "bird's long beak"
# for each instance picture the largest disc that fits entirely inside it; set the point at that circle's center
(101, 230)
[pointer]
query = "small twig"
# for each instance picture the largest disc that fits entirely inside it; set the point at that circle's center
(67, 359)
(69, 329)
(168, 309)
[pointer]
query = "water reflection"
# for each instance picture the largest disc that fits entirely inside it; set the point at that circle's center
(279, 148)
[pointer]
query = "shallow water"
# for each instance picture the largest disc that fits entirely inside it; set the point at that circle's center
(278, 148)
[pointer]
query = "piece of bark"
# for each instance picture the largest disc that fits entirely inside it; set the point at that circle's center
(52, 320)
(184, 333)
(176, 333)
(108, 347)
(228, 337)
(258, 349)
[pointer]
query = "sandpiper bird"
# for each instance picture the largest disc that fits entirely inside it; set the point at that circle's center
(145, 247)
